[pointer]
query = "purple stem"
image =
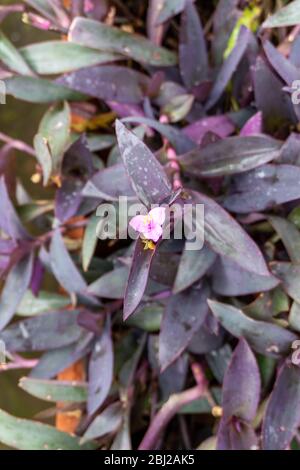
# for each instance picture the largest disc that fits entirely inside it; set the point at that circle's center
(17, 144)
(166, 413)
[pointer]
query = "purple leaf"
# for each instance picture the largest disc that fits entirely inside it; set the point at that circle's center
(226, 237)
(275, 104)
(241, 386)
(78, 159)
(290, 150)
(109, 421)
(95, 9)
(37, 277)
(264, 188)
(124, 109)
(230, 156)
(240, 399)
(138, 278)
(47, 331)
(284, 68)
(184, 314)
(63, 266)
(282, 416)
(7, 246)
(192, 267)
(147, 176)
(100, 370)
(230, 279)
(193, 67)
(266, 338)
(14, 288)
(9, 220)
(289, 274)
(229, 67)
(56, 360)
(68, 199)
(77, 167)
(204, 341)
(111, 285)
(109, 184)
(253, 126)
(236, 435)
(177, 139)
(170, 8)
(224, 20)
(173, 379)
(294, 54)
(155, 32)
(219, 125)
(108, 82)
(218, 361)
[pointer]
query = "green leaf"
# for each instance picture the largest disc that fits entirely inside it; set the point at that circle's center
(16, 284)
(289, 274)
(10, 56)
(54, 390)
(178, 107)
(148, 317)
(98, 142)
(169, 9)
(43, 7)
(55, 57)
(89, 243)
(39, 90)
(294, 317)
(287, 16)
(31, 211)
(24, 434)
(107, 422)
(43, 156)
(55, 129)
(45, 301)
(249, 19)
(98, 35)
(289, 235)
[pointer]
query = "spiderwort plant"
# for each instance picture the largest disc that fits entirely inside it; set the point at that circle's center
(164, 103)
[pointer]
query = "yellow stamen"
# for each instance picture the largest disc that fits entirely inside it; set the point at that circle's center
(148, 244)
(217, 412)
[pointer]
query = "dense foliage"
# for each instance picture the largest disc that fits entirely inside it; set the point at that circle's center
(147, 344)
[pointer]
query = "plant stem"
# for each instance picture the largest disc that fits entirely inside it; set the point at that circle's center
(17, 144)
(166, 413)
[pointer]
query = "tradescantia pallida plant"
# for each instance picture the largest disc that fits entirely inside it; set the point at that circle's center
(166, 347)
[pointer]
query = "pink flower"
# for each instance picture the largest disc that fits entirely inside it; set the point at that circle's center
(150, 225)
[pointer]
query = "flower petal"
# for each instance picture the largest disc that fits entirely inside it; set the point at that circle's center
(155, 233)
(139, 223)
(158, 215)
